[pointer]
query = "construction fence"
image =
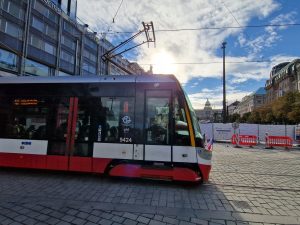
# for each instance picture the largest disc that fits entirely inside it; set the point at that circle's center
(225, 131)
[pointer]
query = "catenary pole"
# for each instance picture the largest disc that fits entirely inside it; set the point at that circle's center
(224, 84)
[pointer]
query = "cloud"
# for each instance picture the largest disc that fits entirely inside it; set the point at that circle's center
(270, 36)
(184, 46)
(215, 96)
(199, 46)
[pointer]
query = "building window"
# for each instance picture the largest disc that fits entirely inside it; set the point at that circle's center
(13, 9)
(35, 41)
(89, 68)
(50, 49)
(68, 42)
(90, 56)
(67, 57)
(63, 74)
(12, 29)
(44, 28)
(42, 45)
(73, 9)
(8, 60)
(64, 6)
(68, 27)
(37, 24)
(45, 11)
(90, 43)
(51, 32)
(36, 69)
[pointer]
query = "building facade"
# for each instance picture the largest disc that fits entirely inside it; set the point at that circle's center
(251, 102)
(208, 114)
(284, 78)
(44, 38)
(232, 108)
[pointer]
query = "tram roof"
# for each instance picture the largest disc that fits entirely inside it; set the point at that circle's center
(88, 79)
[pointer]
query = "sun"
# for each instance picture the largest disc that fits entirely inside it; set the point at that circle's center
(163, 63)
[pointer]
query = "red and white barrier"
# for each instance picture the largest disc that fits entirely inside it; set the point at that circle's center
(244, 140)
(280, 141)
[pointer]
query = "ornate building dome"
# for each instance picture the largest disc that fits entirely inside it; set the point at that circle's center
(207, 105)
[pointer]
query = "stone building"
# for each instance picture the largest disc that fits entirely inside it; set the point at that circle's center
(251, 102)
(208, 114)
(45, 38)
(284, 78)
(231, 109)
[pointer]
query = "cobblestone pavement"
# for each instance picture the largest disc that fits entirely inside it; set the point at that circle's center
(247, 186)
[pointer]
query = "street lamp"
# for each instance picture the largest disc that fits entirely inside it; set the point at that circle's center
(224, 85)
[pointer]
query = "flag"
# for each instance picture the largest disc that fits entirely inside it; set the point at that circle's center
(209, 145)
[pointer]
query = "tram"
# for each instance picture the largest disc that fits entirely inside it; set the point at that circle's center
(125, 126)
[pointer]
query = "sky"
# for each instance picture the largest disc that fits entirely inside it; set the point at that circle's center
(195, 56)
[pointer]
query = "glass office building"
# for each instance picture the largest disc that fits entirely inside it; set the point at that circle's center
(43, 38)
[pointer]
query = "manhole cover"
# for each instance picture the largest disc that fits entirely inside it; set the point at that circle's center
(241, 204)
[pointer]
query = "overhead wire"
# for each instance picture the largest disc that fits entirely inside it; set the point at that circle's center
(113, 20)
(231, 13)
(211, 28)
(213, 62)
(117, 11)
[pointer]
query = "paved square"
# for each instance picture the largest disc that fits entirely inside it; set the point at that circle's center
(247, 186)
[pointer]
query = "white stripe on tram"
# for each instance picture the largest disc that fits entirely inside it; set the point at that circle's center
(160, 153)
(23, 146)
(113, 151)
(185, 154)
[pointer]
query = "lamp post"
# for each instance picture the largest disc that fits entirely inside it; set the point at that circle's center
(224, 85)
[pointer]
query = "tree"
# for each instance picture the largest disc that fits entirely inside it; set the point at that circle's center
(294, 114)
(245, 117)
(285, 110)
(254, 117)
(234, 118)
(282, 106)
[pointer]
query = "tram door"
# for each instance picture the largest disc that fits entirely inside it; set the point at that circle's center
(157, 126)
(69, 143)
(81, 144)
(60, 121)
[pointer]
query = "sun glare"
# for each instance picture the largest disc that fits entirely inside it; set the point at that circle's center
(163, 63)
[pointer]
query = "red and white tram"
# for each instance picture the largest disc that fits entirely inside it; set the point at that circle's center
(132, 126)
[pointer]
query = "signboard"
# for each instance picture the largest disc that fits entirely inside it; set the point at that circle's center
(223, 131)
(235, 125)
(53, 6)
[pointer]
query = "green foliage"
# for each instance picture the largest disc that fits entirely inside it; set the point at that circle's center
(234, 118)
(245, 117)
(285, 110)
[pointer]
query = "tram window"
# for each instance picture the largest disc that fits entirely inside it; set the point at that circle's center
(23, 118)
(115, 120)
(157, 121)
(182, 136)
